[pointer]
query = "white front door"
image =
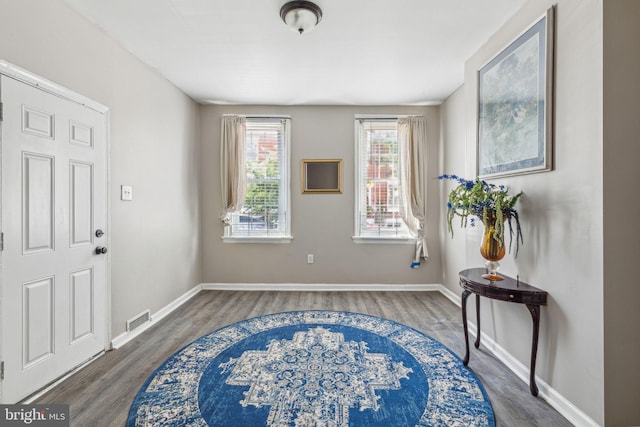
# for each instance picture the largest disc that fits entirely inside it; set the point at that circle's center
(53, 206)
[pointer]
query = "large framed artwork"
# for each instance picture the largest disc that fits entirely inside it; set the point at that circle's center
(515, 105)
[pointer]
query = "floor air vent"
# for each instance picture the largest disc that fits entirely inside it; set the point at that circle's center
(138, 320)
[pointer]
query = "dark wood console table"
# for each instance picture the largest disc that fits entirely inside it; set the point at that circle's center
(511, 290)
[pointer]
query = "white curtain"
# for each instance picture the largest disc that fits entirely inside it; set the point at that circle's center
(412, 145)
(232, 172)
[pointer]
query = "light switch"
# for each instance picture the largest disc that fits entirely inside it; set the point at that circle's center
(126, 192)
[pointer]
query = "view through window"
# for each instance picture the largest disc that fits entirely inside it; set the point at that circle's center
(266, 205)
(378, 206)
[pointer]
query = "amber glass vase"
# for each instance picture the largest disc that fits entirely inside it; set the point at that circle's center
(492, 250)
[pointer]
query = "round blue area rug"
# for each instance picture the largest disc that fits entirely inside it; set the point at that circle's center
(313, 369)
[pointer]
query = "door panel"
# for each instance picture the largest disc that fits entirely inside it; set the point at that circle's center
(81, 304)
(81, 134)
(37, 323)
(37, 123)
(53, 199)
(38, 200)
(81, 191)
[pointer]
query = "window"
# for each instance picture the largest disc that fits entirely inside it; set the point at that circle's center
(377, 182)
(265, 213)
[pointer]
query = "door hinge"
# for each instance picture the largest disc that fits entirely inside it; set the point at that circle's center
(1, 242)
(1, 111)
(2, 370)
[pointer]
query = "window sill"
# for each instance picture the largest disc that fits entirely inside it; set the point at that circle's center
(256, 239)
(367, 240)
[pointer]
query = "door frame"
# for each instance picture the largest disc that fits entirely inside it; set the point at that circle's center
(31, 79)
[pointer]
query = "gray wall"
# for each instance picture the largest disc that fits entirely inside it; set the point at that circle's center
(579, 245)
(155, 251)
(322, 224)
(621, 177)
(561, 211)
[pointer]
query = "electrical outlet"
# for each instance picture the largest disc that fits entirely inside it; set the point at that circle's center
(310, 259)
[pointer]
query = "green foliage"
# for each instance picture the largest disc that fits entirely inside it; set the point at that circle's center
(490, 203)
(263, 187)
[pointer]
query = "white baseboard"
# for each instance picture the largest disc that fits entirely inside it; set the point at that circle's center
(452, 296)
(545, 391)
(125, 337)
(316, 287)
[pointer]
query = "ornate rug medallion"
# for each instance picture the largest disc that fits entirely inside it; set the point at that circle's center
(313, 369)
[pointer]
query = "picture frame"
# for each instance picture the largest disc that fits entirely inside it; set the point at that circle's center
(515, 105)
(321, 176)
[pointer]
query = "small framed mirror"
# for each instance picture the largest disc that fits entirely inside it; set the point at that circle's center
(321, 176)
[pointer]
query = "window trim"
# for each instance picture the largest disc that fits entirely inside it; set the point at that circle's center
(286, 236)
(257, 239)
(359, 238)
(385, 240)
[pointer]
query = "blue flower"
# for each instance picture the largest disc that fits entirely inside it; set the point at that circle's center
(473, 199)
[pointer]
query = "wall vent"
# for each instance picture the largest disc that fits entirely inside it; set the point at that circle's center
(138, 320)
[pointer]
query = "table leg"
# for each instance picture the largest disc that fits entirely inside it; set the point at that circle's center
(477, 343)
(535, 315)
(465, 295)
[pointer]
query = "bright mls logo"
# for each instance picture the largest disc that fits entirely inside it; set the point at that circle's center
(34, 415)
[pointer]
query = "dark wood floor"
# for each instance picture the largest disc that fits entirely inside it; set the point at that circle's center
(101, 393)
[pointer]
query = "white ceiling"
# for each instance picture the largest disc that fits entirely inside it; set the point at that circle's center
(363, 52)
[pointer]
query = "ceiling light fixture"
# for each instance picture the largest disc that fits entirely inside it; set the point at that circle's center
(301, 16)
